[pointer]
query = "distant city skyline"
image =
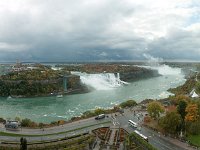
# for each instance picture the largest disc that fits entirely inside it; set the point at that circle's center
(99, 30)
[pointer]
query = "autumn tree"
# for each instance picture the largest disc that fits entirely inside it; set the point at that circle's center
(192, 113)
(154, 109)
(171, 122)
(178, 98)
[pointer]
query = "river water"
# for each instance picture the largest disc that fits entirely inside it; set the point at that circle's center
(48, 109)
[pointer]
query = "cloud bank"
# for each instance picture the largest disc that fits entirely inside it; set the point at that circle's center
(94, 30)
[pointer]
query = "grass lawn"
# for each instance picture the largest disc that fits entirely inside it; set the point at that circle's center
(194, 139)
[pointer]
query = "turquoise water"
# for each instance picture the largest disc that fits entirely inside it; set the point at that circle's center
(47, 109)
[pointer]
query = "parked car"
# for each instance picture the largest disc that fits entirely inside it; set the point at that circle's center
(100, 117)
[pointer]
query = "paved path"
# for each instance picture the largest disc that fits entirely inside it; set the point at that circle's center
(111, 140)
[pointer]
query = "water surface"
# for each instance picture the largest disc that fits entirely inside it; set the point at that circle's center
(47, 109)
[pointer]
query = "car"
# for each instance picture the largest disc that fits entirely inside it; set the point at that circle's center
(121, 111)
(101, 116)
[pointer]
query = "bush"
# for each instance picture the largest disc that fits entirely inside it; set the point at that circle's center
(140, 142)
(2, 120)
(17, 119)
(88, 114)
(129, 103)
(61, 122)
(54, 123)
(194, 128)
(26, 122)
(41, 125)
(99, 111)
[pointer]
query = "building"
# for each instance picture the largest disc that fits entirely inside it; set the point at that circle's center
(193, 94)
(12, 125)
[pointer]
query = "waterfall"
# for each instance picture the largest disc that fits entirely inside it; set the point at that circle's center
(101, 81)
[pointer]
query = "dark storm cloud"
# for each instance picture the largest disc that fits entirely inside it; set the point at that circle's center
(177, 44)
(67, 30)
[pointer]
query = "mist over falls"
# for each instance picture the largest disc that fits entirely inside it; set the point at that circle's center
(101, 81)
(165, 69)
(108, 81)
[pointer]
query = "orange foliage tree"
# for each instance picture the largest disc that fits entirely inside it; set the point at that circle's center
(178, 98)
(192, 113)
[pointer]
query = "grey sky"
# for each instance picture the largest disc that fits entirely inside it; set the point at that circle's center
(88, 30)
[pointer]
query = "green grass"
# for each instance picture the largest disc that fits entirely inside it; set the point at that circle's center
(39, 135)
(194, 139)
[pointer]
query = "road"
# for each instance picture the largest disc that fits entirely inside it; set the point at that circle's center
(86, 125)
(157, 140)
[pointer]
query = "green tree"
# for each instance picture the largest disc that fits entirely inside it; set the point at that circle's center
(181, 108)
(129, 103)
(26, 122)
(194, 128)
(171, 122)
(23, 145)
(155, 109)
(17, 119)
(99, 111)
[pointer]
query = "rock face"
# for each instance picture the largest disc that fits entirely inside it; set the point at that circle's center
(73, 82)
(47, 82)
(127, 72)
(140, 74)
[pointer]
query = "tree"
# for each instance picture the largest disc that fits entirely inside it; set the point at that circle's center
(129, 103)
(17, 119)
(181, 108)
(178, 98)
(171, 122)
(194, 128)
(192, 113)
(154, 109)
(26, 122)
(23, 145)
(99, 111)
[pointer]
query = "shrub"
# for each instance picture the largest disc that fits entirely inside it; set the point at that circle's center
(129, 103)
(194, 128)
(140, 142)
(54, 123)
(2, 120)
(26, 122)
(17, 119)
(61, 122)
(99, 111)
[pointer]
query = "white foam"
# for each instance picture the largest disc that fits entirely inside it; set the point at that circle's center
(154, 63)
(167, 70)
(101, 81)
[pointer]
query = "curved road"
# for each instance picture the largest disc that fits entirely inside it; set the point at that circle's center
(157, 140)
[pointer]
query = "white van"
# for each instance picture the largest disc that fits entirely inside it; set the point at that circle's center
(101, 116)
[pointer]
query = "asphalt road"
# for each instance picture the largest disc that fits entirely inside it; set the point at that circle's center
(53, 130)
(157, 140)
